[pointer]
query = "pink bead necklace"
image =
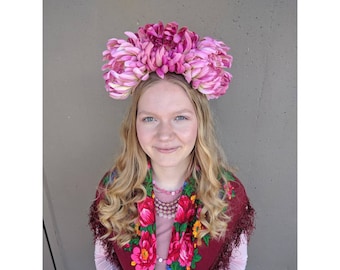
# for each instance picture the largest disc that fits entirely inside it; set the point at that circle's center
(175, 192)
(166, 209)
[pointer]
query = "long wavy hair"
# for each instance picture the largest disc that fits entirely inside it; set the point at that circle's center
(118, 210)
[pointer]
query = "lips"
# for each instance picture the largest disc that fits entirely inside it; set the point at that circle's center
(166, 150)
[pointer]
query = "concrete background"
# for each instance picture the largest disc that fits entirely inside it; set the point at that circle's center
(256, 119)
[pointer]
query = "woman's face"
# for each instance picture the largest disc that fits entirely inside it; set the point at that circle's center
(166, 125)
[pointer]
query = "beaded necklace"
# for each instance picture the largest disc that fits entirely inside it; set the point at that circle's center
(166, 209)
(174, 192)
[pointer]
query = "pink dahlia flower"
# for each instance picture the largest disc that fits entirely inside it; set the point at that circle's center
(144, 256)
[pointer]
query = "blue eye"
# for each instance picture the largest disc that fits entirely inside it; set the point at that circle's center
(181, 117)
(148, 119)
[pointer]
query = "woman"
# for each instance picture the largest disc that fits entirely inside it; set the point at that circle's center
(170, 200)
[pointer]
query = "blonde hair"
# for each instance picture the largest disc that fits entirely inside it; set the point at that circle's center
(118, 210)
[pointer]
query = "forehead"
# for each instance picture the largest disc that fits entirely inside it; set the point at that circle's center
(164, 95)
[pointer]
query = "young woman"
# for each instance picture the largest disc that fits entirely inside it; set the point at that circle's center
(170, 200)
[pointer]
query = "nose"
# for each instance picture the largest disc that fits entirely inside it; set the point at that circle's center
(165, 131)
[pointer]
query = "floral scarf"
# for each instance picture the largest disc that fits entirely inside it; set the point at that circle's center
(184, 250)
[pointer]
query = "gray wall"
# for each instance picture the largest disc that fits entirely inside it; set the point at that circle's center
(256, 120)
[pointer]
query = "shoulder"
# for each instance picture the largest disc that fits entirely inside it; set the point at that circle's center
(237, 198)
(233, 187)
(239, 208)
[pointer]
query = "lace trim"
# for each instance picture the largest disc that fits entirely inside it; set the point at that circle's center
(245, 225)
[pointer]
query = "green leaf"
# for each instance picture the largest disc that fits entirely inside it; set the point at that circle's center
(177, 226)
(148, 190)
(148, 178)
(134, 241)
(106, 179)
(176, 266)
(189, 188)
(148, 183)
(229, 175)
(206, 239)
(196, 258)
(150, 228)
(183, 227)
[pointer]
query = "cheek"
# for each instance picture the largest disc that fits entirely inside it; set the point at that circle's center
(143, 135)
(190, 134)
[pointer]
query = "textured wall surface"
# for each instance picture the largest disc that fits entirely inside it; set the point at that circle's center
(256, 119)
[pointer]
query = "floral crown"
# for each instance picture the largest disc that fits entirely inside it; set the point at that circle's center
(161, 49)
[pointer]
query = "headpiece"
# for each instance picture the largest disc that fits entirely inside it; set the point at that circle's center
(161, 49)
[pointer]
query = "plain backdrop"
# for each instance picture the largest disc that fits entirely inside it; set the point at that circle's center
(255, 120)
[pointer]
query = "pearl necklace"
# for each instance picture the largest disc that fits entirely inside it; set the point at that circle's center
(166, 209)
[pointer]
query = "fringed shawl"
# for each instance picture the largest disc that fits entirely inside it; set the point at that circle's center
(215, 256)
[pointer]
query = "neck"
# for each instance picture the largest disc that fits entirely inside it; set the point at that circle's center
(170, 178)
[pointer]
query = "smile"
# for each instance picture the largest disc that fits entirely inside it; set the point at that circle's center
(166, 150)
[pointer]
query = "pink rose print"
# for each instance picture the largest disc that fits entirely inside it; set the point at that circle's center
(146, 212)
(185, 210)
(187, 250)
(174, 248)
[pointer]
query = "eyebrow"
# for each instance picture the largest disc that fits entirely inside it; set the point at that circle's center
(176, 112)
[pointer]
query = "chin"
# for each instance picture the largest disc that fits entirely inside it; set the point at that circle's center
(170, 163)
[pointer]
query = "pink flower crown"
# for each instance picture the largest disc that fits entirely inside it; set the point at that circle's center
(155, 48)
